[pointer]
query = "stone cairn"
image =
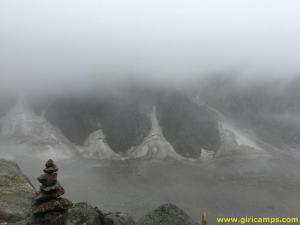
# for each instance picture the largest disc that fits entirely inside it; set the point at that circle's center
(48, 198)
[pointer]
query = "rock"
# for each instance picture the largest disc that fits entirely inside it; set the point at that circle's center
(50, 163)
(48, 199)
(16, 193)
(48, 179)
(167, 214)
(58, 204)
(49, 218)
(51, 188)
(118, 219)
(50, 167)
(83, 213)
(78, 214)
(50, 195)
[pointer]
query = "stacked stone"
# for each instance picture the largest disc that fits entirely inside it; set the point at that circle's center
(48, 198)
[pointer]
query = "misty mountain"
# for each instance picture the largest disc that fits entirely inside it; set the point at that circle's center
(270, 109)
(21, 125)
(124, 119)
(231, 163)
(151, 122)
(141, 103)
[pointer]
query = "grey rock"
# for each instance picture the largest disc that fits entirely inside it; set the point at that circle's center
(118, 219)
(16, 193)
(78, 214)
(83, 213)
(167, 214)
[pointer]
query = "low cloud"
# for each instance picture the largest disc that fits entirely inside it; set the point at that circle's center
(60, 45)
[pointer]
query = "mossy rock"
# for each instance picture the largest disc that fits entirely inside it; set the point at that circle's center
(16, 193)
(83, 213)
(167, 214)
(118, 218)
(79, 214)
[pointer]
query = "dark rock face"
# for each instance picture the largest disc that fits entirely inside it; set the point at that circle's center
(188, 126)
(167, 214)
(271, 108)
(16, 193)
(124, 120)
(48, 198)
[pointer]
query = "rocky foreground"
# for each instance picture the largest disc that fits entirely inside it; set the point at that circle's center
(17, 198)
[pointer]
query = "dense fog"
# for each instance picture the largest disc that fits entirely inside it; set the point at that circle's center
(61, 45)
(147, 102)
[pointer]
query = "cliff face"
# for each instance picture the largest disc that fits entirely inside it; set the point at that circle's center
(16, 199)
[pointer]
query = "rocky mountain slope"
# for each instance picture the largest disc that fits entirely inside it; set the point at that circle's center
(138, 124)
(124, 119)
(269, 108)
(21, 125)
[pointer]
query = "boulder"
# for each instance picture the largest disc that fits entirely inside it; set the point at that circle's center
(83, 213)
(167, 214)
(118, 219)
(16, 193)
(78, 214)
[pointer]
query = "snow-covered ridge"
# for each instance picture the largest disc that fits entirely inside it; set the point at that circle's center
(154, 146)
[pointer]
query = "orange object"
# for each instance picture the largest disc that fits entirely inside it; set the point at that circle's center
(203, 217)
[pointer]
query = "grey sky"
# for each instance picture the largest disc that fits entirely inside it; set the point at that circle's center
(46, 43)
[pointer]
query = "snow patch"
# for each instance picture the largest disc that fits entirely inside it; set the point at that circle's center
(234, 141)
(206, 155)
(96, 147)
(154, 146)
(240, 137)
